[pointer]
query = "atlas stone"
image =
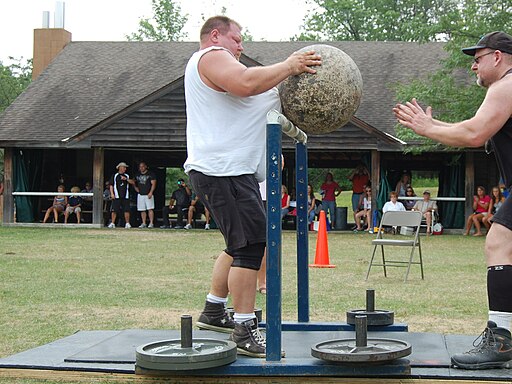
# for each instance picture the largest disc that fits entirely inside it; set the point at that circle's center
(322, 102)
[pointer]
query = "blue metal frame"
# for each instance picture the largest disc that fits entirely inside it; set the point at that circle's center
(301, 184)
(274, 136)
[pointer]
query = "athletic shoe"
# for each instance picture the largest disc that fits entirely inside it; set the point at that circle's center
(248, 339)
(127, 226)
(207, 226)
(111, 225)
(178, 227)
(188, 226)
(143, 225)
(164, 227)
(151, 226)
(215, 318)
(494, 350)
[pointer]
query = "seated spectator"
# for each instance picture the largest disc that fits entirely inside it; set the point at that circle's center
(58, 206)
(74, 206)
(285, 201)
(87, 200)
(311, 204)
(497, 200)
(427, 207)
(197, 207)
(179, 203)
(481, 208)
(403, 184)
(409, 204)
(393, 204)
(366, 213)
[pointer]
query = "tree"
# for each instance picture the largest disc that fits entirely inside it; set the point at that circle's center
(379, 20)
(166, 24)
(14, 79)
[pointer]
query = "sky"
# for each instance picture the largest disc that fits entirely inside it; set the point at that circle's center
(112, 20)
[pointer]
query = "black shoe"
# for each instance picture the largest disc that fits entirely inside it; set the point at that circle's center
(248, 339)
(493, 351)
(215, 318)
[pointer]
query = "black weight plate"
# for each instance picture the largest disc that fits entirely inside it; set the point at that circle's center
(168, 355)
(377, 351)
(377, 317)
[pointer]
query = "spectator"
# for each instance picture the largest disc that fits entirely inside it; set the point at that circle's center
(74, 205)
(360, 177)
(403, 184)
(497, 199)
(197, 207)
(179, 203)
(330, 190)
(145, 184)
(393, 204)
(87, 200)
(311, 204)
(285, 201)
(481, 208)
(120, 195)
(428, 208)
(58, 205)
(409, 204)
(366, 213)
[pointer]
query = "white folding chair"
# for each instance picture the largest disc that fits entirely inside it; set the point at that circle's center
(411, 219)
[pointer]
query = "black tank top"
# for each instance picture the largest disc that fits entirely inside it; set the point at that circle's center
(502, 144)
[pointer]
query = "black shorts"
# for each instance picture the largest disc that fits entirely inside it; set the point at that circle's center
(121, 205)
(236, 206)
(504, 214)
(199, 207)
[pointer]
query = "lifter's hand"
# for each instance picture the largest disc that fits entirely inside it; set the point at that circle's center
(411, 115)
(300, 62)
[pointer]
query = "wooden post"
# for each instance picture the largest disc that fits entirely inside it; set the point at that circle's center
(375, 177)
(97, 186)
(8, 209)
(469, 188)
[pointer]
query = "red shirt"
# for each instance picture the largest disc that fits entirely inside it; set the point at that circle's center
(359, 182)
(284, 200)
(482, 201)
(329, 189)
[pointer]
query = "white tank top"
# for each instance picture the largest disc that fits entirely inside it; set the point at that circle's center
(225, 133)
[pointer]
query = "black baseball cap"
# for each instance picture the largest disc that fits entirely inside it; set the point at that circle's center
(498, 40)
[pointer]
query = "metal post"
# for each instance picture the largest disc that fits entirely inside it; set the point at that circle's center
(273, 242)
(301, 171)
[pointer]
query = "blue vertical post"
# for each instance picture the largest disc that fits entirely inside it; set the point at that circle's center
(301, 170)
(274, 135)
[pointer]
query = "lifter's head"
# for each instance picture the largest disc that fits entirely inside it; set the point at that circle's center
(223, 32)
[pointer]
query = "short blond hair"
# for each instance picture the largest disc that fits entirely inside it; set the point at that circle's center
(75, 189)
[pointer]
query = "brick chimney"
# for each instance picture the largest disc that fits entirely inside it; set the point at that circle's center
(48, 42)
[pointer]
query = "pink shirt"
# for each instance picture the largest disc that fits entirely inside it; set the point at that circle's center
(481, 202)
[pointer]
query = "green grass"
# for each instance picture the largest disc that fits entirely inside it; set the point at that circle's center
(54, 282)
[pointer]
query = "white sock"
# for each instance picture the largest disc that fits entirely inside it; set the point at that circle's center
(502, 319)
(242, 317)
(216, 299)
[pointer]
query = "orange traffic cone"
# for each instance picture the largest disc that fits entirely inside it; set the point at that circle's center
(322, 247)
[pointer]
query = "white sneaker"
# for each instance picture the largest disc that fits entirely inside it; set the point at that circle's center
(127, 226)
(143, 225)
(207, 226)
(188, 226)
(111, 225)
(150, 226)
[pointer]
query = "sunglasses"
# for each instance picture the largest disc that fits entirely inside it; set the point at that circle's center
(476, 59)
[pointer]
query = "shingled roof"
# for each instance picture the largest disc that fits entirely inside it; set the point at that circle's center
(90, 83)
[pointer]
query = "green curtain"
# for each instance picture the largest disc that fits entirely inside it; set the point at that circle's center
(24, 209)
(451, 184)
(384, 190)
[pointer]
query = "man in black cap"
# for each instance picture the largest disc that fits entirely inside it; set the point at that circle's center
(492, 64)
(179, 203)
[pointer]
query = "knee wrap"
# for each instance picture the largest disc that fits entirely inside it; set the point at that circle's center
(249, 256)
(499, 288)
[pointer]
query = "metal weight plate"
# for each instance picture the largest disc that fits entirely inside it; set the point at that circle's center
(169, 355)
(376, 317)
(377, 351)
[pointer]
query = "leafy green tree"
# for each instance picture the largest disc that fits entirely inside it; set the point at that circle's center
(14, 78)
(166, 24)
